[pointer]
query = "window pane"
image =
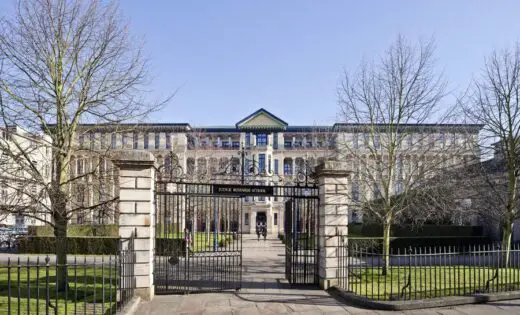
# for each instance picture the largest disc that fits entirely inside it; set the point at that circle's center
(157, 140)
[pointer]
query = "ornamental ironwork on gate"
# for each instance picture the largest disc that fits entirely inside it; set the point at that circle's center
(198, 234)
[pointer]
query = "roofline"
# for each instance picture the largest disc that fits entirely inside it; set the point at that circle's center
(343, 126)
(141, 126)
(259, 111)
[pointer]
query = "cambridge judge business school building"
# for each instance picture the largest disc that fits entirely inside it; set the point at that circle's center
(260, 149)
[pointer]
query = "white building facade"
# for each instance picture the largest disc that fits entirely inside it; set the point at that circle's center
(271, 152)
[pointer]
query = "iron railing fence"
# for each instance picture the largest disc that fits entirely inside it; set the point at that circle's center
(84, 285)
(427, 272)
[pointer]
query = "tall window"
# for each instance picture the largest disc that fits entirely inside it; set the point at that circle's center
(81, 140)
(409, 141)
(92, 139)
(355, 141)
(261, 139)
(246, 219)
(248, 139)
(113, 141)
(261, 163)
(275, 140)
(124, 140)
(269, 164)
(275, 219)
(287, 168)
(145, 141)
(136, 141)
(79, 166)
(377, 141)
(276, 166)
(168, 140)
(157, 140)
(355, 192)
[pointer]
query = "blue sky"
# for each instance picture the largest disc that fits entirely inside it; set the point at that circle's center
(229, 58)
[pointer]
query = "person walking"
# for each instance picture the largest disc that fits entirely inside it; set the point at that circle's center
(258, 230)
(264, 231)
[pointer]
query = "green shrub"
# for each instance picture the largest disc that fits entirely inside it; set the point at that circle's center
(75, 245)
(77, 230)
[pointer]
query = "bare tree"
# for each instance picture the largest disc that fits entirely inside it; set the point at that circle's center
(393, 134)
(67, 68)
(494, 102)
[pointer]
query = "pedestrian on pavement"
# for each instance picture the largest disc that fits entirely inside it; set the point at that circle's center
(258, 230)
(264, 231)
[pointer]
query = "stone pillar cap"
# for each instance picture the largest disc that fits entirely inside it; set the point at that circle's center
(132, 157)
(332, 168)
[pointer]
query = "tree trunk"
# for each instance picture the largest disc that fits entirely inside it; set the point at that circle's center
(387, 225)
(506, 242)
(60, 233)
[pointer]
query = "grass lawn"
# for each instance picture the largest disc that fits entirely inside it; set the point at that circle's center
(430, 281)
(90, 290)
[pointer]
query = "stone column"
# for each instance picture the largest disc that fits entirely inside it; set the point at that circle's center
(333, 217)
(137, 212)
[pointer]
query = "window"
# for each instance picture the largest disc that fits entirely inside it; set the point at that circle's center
(377, 192)
(145, 141)
(246, 167)
(275, 219)
(102, 141)
(124, 140)
(287, 169)
(168, 140)
(275, 140)
(157, 140)
(442, 138)
(136, 141)
(236, 144)
(79, 166)
(81, 140)
(19, 220)
(248, 139)
(355, 141)
(113, 141)
(269, 169)
(225, 144)
(377, 142)
(355, 192)
(276, 166)
(92, 139)
(287, 144)
(246, 219)
(409, 140)
(261, 163)
(399, 187)
(261, 139)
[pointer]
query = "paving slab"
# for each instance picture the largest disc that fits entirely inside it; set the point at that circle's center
(265, 291)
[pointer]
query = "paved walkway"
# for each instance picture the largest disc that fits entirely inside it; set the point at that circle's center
(266, 292)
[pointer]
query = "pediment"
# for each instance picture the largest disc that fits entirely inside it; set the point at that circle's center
(261, 120)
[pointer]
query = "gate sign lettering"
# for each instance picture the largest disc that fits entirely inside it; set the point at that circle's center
(242, 190)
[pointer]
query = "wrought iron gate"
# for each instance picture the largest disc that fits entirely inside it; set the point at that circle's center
(301, 223)
(197, 246)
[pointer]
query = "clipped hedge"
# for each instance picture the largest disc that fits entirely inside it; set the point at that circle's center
(77, 230)
(75, 245)
(376, 230)
(401, 244)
